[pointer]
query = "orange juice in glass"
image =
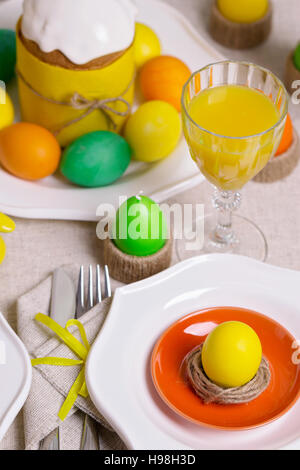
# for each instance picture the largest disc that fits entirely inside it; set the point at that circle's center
(233, 115)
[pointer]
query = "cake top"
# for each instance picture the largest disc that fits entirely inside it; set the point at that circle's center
(83, 30)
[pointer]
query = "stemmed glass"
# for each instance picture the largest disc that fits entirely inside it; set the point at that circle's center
(230, 162)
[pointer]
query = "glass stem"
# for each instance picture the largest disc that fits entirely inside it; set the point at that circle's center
(225, 202)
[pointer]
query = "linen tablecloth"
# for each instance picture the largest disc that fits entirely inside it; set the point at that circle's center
(38, 247)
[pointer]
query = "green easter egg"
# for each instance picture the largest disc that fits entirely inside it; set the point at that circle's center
(297, 57)
(96, 159)
(141, 227)
(7, 54)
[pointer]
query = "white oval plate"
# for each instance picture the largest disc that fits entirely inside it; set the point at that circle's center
(118, 369)
(15, 375)
(54, 197)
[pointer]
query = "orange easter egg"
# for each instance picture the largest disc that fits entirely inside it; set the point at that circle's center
(163, 78)
(287, 138)
(29, 151)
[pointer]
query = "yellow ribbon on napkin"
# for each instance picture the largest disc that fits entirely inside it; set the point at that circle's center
(80, 349)
(6, 226)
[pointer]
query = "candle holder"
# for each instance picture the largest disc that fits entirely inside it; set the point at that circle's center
(291, 73)
(239, 35)
(127, 268)
(282, 165)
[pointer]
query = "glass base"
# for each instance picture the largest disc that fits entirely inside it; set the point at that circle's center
(247, 239)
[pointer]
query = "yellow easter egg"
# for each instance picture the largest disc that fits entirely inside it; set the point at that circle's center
(243, 11)
(146, 44)
(232, 354)
(6, 224)
(2, 250)
(153, 131)
(6, 110)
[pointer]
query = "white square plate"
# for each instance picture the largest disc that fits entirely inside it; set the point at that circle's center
(118, 369)
(55, 198)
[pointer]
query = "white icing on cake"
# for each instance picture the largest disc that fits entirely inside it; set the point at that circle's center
(83, 30)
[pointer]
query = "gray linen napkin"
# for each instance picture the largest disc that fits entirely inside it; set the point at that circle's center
(51, 385)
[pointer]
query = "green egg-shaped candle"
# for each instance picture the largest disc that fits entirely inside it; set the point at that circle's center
(7, 54)
(141, 227)
(96, 159)
(297, 57)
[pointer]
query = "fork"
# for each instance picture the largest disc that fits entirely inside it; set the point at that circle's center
(90, 437)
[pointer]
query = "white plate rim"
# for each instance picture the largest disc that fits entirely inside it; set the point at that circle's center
(16, 406)
(147, 284)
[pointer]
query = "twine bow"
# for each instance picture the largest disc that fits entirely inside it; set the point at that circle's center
(81, 349)
(79, 102)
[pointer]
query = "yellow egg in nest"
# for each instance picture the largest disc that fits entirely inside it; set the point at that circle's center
(243, 11)
(232, 354)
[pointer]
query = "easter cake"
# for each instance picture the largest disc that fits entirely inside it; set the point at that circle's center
(75, 63)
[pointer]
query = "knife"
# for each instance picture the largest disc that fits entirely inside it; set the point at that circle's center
(63, 298)
(63, 306)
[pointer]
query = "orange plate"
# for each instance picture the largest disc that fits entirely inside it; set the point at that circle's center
(169, 375)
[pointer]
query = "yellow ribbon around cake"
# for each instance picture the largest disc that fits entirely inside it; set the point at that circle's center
(81, 349)
(101, 93)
